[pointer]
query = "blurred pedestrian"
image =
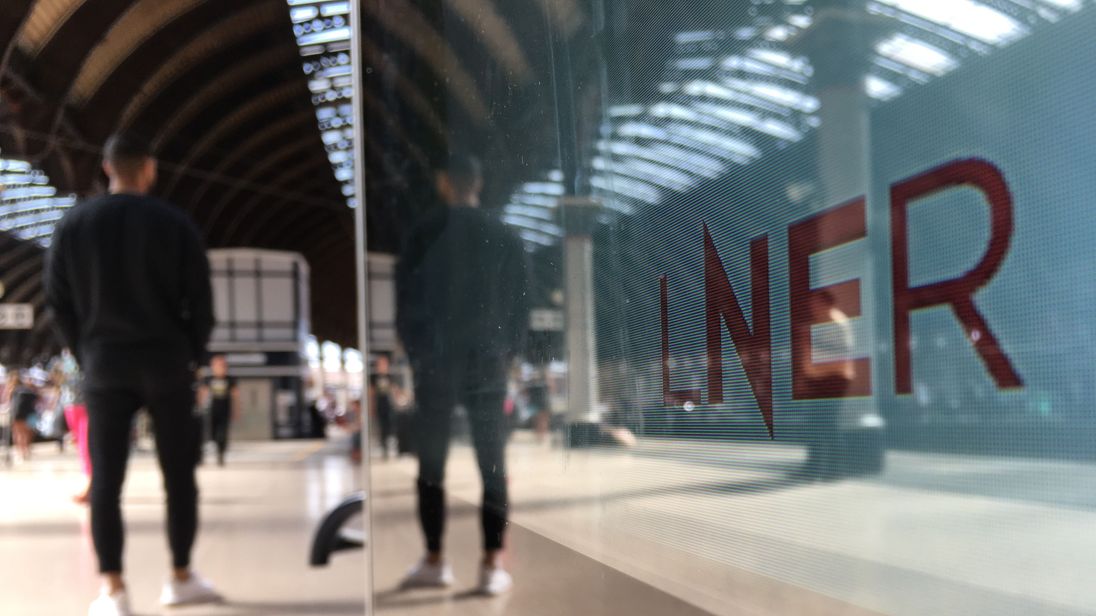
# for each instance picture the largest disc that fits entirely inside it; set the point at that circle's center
(24, 407)
(220, 395)
(382, 390)
(827, 382)
(76, 417)
(355, 415)
(127, 279)
(11, 382)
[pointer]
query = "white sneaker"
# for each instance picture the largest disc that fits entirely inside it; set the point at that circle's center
(427, 575)
(108, 604)
(193, 591)
(495, 581)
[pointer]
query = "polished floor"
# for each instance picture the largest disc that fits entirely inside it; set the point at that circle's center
(724, 527)
(666, 527)
(257, 515)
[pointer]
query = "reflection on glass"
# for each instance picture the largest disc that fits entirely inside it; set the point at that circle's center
(462, 318)
(805, 323)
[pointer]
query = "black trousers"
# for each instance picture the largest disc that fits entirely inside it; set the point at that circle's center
(386, 425)
(479, 386)
(110, 425)
(218, 427)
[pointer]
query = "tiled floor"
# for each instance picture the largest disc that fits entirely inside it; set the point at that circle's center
(257, 517)
(669, 527)
(566, 554)
(551, 580)
(721, 526)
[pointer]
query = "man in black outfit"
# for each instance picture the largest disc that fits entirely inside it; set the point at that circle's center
(128, 282)
(462, 315)
(221, 396)
(381, 391)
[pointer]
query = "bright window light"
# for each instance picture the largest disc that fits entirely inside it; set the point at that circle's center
(694, 64)
(623, 111)
(541, 201)
(304, 13)
(531, 211)
(880, 89)
(785, 97)
(749, 119)
(542, 188)
(644, 171)
(642, 130)
(800, 21)
(781, 59)
(716, 140)
(674, 111)
(698, 36)
(779, 33)
(668, 155)
(625, 187)
(335, 8)
(327, 36)
(968, 17)
(1069, 5)
(537, 238)
(917, 54)
(524, 222)
(323, 36)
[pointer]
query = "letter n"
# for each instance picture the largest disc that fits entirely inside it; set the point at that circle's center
(754, 347)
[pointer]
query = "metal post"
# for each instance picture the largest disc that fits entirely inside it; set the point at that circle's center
(360, 255)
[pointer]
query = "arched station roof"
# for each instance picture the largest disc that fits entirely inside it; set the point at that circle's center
(219, 89)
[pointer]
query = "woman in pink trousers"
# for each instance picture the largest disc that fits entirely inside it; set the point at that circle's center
(76, 416)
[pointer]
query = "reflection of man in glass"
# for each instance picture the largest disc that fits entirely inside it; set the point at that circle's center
(462, 317)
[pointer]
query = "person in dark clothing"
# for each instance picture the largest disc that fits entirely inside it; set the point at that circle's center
(381, 390)
(24, 405)
(127, 279)
(827, 381)
(221, 396)
(318, 425)
(462, 315)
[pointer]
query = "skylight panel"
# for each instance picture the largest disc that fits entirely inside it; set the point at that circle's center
(973, 19)
(917, 54)
(880, 89)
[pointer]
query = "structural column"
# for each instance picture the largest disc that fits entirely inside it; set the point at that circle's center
(840, 45)
(579, 218)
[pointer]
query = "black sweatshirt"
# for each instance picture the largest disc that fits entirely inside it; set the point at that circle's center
(127, 279)
(462, 288)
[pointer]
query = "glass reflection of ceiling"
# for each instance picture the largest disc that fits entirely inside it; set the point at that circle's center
(29, 205)
(322, 28)
(729, 96)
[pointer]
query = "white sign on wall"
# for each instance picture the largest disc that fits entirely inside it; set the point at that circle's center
(546, 320)
(16, 316)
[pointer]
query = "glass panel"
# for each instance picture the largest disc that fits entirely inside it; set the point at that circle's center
(770, 306)
(277, 296)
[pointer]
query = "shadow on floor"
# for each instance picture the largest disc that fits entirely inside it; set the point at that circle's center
(460, 509)
(401, 598)
(311, 607)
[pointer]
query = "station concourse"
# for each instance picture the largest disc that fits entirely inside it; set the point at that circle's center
(548, 308)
